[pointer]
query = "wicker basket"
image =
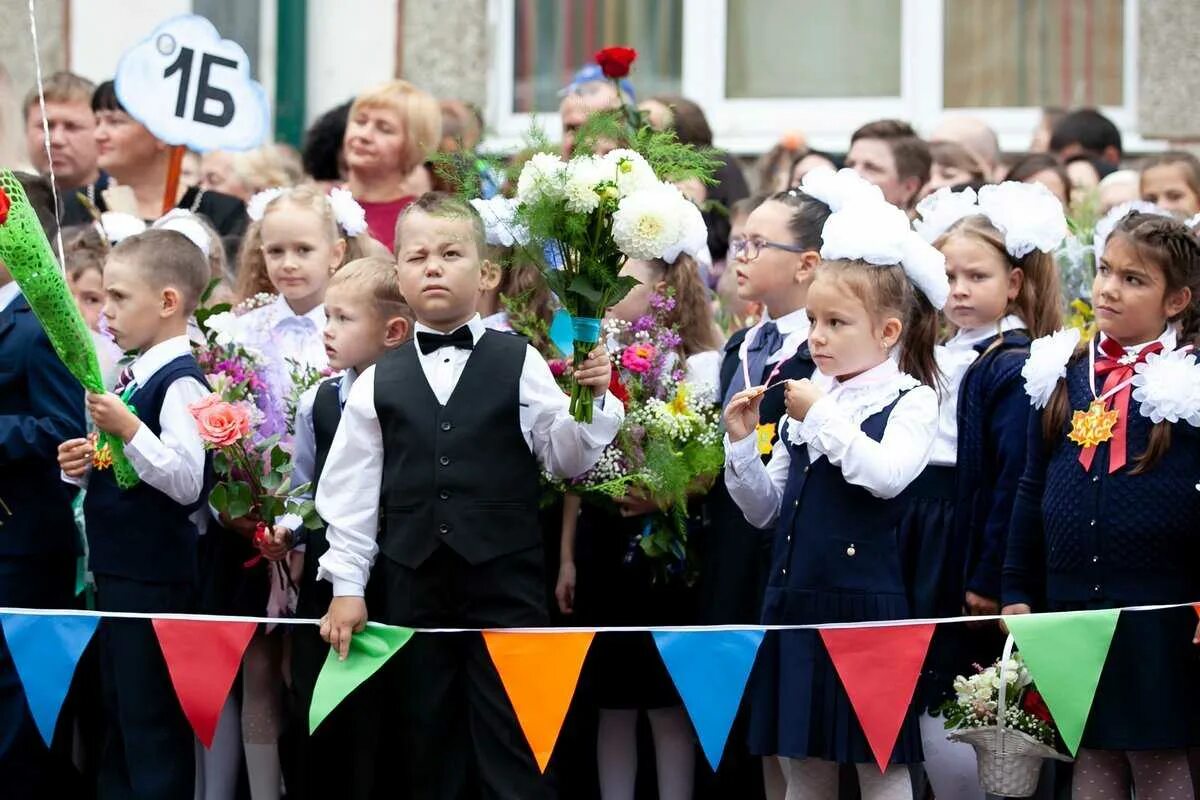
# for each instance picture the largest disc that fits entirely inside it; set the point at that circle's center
(1009, 760)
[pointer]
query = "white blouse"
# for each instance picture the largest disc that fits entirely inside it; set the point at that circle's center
(832, 430)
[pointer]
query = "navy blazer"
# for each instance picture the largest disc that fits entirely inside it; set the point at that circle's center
(41, 406)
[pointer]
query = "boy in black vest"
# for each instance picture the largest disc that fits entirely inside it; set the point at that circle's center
(447, 437)
(367, 317)
(143, 540)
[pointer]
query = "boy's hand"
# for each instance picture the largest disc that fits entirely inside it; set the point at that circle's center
(346, 616)
(596, 371)
(799, 397)
(564, 591)
(1014, 608)
(113, 416)
(277, 543)
(75, 457)
(635, 503)
(741, 415)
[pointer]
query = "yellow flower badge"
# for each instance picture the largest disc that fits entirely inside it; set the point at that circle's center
(102, 457)
(766, 438)
(1090, 428)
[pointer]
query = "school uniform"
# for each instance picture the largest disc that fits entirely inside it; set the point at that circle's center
(1088, 537)
(41, 405)
(436, 465)
(142, 549)
(836, 491)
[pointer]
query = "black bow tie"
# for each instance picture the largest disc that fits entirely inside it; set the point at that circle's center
(461, 338)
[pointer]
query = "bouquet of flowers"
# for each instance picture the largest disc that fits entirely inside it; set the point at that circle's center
(1002, 715)
(586, 216)
(669, 444)
(233, 371)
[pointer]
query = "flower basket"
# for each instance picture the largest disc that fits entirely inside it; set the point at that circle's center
(1010, 761)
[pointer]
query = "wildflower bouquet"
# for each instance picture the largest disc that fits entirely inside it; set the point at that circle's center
(669, 444)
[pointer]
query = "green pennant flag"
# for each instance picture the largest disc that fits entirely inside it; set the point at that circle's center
(369, 650)
(1065, 653)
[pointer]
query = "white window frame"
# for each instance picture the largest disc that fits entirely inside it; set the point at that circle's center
(754, 125)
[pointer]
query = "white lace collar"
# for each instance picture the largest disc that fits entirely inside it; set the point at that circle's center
(869, 392)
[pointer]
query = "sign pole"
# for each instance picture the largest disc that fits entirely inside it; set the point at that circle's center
(171, 191)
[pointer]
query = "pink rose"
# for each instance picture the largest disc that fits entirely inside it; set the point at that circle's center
(208, 401)
(638, 358)
(221, 424)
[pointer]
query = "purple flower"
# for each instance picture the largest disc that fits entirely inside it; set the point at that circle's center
(663, 303)
(643, 324)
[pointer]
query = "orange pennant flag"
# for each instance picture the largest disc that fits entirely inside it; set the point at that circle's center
(539, 672)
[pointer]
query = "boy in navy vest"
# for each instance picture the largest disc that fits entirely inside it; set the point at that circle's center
(367, 317)
(447, 438)
(40, 405)
(143, 540)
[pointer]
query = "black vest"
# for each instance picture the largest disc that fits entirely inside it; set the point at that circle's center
(315, 595)
(140, 533)
(459, 474)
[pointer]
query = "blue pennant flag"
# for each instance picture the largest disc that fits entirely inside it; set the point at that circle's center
(45, 650)
(710, 670)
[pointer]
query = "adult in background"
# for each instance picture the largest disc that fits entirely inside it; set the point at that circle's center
(392, 129)
(321, 154)
(588, 93)
(975, 136)
(1045, 169)
(244, 174)
(137, 162)
(72, 130)
(691, 126)
(889, 154)
(1087, 132)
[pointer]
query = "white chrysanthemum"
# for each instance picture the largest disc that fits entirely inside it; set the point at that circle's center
(1167, 385)
(542, 176)
(1104, 225)
(839, 189)
(631, 170)
(940, 210)
(119, 226)
(224, 325)
(585, 179)
(1047, 364)
(500, 224)
(350, 216)
(694, 238)
(649, 222)
(256, 206)
(1028, 214)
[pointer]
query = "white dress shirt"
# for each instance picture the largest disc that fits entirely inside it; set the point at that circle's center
(794, 327)
(8, 293)
(279, 332)
(173, 462)
(304, 443)
(833, 429)
(954, 358)
(348, 497)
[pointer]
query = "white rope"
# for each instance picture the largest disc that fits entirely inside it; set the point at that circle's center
(37, 63)
(893, 623)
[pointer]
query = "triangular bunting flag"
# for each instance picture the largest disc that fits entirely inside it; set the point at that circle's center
(879, 667)
(370, 649)
(710, 669)
(1065, 653)
(45, 650)
(539, 672)
(203, 658)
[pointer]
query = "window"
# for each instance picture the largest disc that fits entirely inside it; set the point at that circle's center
(810, 48)
(760, 68)
(554, 38)
(1033, 53)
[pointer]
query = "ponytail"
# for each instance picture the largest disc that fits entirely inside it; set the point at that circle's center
(918, 340)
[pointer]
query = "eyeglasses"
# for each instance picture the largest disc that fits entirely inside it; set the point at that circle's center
(750, 249)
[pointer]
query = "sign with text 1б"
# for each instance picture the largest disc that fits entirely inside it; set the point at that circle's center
(190, 87)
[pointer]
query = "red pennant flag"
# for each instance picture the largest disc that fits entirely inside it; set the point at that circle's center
(539, 671)
(203, 658)
(879, 667)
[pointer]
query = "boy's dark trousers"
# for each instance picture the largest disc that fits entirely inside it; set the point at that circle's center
(458, 728)
(148, 751)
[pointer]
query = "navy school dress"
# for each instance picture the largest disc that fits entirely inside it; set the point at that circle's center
(734, 554)
(836, 559)
(1089, 539)
(954, 532)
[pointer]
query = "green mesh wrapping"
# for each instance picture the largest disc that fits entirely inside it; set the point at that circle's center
(27, 254)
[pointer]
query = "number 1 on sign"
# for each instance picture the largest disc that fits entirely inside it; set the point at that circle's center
(204, 91)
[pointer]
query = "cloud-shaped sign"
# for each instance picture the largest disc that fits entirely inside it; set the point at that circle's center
(190, 87)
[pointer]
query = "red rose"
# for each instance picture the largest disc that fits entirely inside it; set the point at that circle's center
(5, 204)
(1033, 704)
(617, 388)
(615, 61)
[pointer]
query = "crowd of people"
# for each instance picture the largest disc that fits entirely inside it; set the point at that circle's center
(920, 463)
